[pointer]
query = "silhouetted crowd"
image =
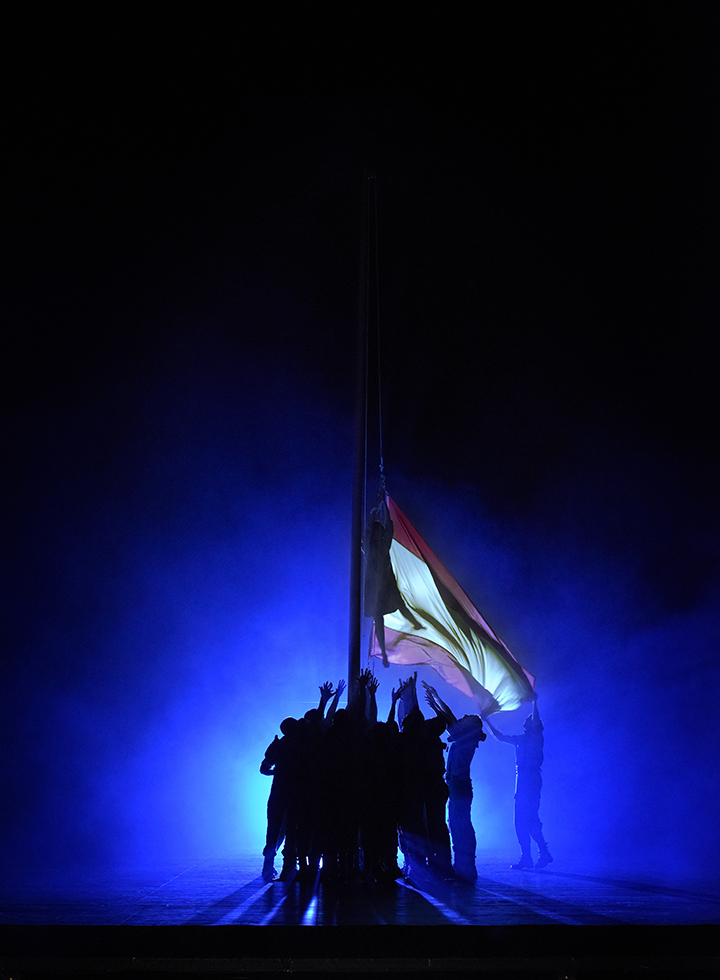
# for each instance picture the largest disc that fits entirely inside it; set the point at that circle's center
(348, 789)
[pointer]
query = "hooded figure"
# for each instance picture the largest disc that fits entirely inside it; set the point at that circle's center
(382, 595)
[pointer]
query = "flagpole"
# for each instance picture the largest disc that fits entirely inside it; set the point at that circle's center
(358, 491)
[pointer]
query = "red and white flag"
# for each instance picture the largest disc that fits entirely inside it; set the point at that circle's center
(448, 633)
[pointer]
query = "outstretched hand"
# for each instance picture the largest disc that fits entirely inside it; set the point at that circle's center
(397, 693)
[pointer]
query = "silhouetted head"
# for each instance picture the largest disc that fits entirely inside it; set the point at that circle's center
(413, 721)
(341, 719)
(288, 725)
(312, 717)
(469, 726)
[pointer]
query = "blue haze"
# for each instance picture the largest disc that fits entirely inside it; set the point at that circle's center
(179, 584)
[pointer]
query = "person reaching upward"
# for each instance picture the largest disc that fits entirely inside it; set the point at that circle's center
(464, 736)
(528, 785)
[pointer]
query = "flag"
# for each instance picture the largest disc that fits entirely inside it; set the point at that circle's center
(436, 624)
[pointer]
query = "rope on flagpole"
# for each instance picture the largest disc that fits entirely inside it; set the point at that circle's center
(372, 313)
(373, 306)
(377, 341)
(368, 223)
(359, 493)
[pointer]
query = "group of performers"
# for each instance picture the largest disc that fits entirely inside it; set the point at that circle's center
(348, 788)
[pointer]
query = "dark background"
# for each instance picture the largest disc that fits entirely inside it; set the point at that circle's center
(183, 213)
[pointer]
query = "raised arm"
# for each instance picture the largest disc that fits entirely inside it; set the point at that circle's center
(356, 703)
(438, 705)
(499, 735)
(536, 720)
(408, 698)
(334, 703)
(371, 685)
(326, 693)
(394, 698)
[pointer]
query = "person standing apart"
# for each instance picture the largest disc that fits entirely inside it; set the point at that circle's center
(528, 785)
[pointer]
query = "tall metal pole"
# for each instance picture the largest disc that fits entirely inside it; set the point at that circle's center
(358, 492)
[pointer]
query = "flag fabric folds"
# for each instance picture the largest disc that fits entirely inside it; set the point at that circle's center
(436, 624)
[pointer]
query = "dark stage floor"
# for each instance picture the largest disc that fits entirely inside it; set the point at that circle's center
(206, 914)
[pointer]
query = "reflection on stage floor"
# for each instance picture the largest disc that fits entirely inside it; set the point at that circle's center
(229, 890)
(219, 904)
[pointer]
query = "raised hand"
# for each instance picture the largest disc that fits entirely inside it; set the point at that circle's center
(430, 692)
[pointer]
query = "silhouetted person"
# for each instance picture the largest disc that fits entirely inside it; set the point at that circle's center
(423, 830)
(311, 782)
(528, 784)
(280, 763)
(464, 736)
(294, 805)
(381, 796)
